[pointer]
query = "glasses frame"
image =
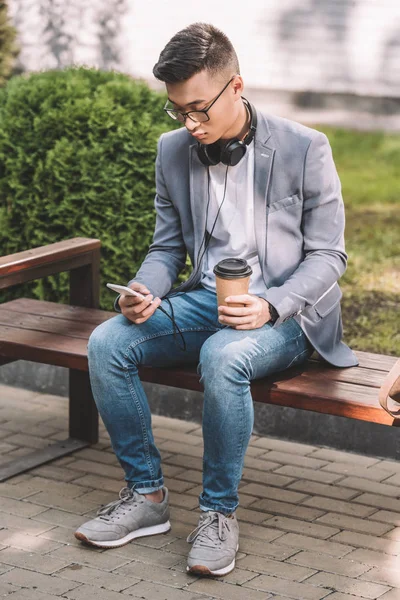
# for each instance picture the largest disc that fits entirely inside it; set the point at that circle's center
(186, 115)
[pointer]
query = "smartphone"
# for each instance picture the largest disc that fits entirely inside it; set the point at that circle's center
(123, 289)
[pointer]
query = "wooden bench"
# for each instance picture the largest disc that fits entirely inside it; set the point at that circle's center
(57, 334)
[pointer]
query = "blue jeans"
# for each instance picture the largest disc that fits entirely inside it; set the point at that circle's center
(227, 359)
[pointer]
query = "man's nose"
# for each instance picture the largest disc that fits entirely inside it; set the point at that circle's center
(190, 125)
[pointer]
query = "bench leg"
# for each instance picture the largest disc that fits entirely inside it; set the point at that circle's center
(83, 415)
(83, 429)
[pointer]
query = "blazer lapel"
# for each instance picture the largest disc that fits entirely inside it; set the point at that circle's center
(198, 198)
(263, 161)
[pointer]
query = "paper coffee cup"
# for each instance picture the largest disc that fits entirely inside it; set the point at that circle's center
(232, 278)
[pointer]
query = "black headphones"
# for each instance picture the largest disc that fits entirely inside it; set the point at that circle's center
(233, 151)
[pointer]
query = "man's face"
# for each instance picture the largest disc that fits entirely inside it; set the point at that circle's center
(197, 93)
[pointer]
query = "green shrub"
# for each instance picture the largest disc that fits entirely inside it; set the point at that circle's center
(8, 47)
(77, 152)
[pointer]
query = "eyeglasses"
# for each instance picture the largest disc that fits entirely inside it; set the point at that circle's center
(198, 116)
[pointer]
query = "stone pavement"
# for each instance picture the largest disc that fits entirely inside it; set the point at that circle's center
(315, 523)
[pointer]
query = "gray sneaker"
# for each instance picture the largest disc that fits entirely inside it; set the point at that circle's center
(130, 517)
(215, 543)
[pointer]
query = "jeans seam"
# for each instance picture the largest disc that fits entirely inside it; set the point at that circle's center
(142, 424)
(296, 357)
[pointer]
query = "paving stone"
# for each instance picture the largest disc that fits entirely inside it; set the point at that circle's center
(322, 562)
(91, 592)
(259, 532)
(159, 558)
(386, 516)
(299, 511)
(375, 558)
(346, 508)
(373, 487)
(41, 484)
(55, 472)
(285, 458)
(373, 473)
(341, 583)
(260, 465)
(354, 524)
(392, 595)
(306, 528)
(184, 500)
(225, 591)
(378, 501)
(100, 483)
(179, 448)
(266, 477)
(160, 575)
(96, 456)
(176, 424)
(58, 517)
(31, 561)
(284, 570)
(49, 584)
(116, 581)
(74, 505)
(322, 489)
(7, 588)
(284, 446)
(170, 434)
(247, 515)
(295, 590)
(17, 539)
(20, 509)
(329, 454)
(385, 576)
(89, 557)
(96, 468)
(29, 526)
(265, 491)
(30, 594)
(270, 549)
(63, 535)
(309, 543)
(187, 474)
(296, 472)
(367, 541)
(188, 462)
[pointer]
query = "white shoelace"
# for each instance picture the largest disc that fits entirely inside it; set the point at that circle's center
(114, 509)
(212, 529)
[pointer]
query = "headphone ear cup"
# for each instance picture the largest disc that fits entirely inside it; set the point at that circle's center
(233, 152)
(209, 155)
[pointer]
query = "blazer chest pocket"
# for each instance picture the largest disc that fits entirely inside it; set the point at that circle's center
(327, 303)
(283, 203)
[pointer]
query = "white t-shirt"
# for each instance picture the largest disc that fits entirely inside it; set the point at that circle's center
(233, 235)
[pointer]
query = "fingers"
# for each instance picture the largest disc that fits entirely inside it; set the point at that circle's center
(237, 311)
(139, 287)
(139, 313)
(242, 299)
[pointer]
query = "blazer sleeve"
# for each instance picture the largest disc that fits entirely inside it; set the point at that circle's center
(323, 224)
(167, 254)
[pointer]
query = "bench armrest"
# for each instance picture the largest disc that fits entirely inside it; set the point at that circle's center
(80, 256)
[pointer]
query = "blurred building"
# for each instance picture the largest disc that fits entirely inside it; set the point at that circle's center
(341, 56)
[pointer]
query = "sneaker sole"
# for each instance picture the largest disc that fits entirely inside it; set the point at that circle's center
(145, 531)
(203, 570)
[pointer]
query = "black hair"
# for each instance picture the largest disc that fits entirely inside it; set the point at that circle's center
(198, 47)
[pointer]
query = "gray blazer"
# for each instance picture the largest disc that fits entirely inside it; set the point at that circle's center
(299, 226)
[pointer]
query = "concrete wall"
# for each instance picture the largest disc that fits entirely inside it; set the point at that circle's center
(342, 46)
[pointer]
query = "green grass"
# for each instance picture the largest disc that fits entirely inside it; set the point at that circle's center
(369, 169)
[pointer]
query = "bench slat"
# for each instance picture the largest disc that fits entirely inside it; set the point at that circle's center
(46, 254)
(57, 334)
(58, 311)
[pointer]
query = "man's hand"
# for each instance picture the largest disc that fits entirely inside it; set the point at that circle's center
(135, 309)
(253, 315)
